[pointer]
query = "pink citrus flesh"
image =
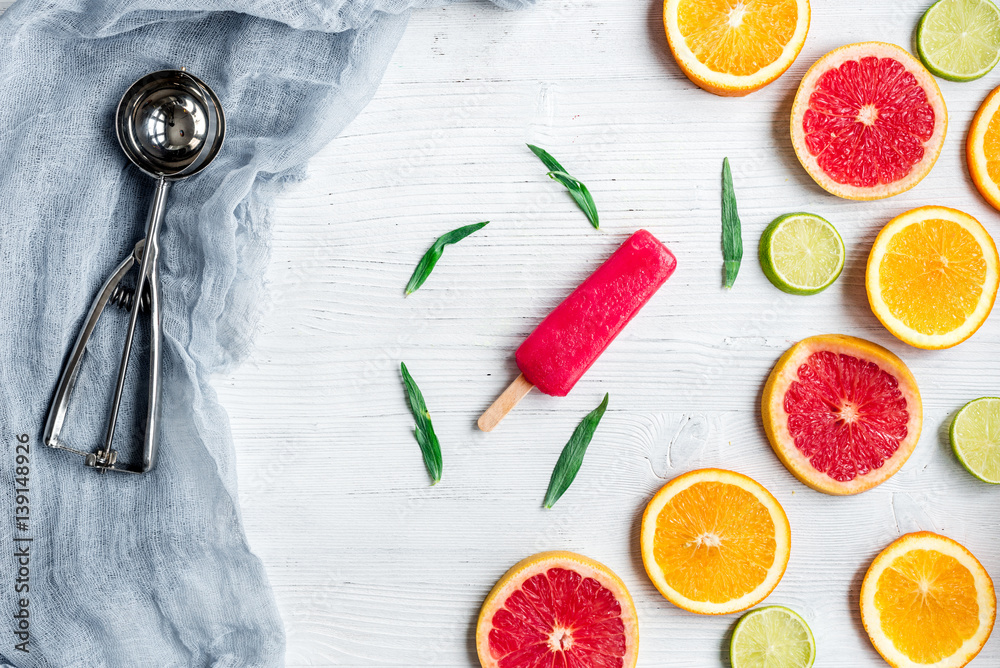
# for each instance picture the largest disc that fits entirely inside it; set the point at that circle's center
(843, 414)
(558, 609)
(868, 121)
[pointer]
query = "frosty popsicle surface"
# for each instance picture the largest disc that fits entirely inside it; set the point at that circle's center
(571, 338)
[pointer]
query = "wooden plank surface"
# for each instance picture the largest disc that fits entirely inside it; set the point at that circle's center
(370, 565)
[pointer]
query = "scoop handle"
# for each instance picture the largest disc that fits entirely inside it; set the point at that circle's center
(148, 276)
(505, 403)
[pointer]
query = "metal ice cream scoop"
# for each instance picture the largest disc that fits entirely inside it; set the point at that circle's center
(171, 126)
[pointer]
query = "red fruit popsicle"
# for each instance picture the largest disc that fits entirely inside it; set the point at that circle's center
(574, 335)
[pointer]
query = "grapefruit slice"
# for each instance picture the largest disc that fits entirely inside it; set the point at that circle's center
(842, 414)
(714, 542)
(558, 609)
(868, 121)
(927, 601)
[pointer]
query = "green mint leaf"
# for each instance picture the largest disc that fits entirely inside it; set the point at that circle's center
(430, 448)
(577, 190)
(572, 455)
(433, 254)
(732, 239)
(550, 162)
(580, 194)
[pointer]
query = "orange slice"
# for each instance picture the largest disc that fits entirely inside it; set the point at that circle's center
(932, 276)
(714, 542)
(558, 609)
(983, 149)
(926, 601)
(734, 47)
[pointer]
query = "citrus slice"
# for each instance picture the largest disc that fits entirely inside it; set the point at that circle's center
(982, 149)
(734, 47)
(959, 40)
(714, 541)
(801, 253)
(868, 121)
(975, 438)
(842, 414)
(558, 609)
(772, 637)
(932, 276)
(927, 601)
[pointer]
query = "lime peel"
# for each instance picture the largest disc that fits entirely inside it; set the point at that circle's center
(801, 253)
(959, 40)
(772, 636)
(975, 438)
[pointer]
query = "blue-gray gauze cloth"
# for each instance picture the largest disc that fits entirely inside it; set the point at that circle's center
(151, 570)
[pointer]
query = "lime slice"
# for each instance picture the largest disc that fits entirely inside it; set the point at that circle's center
(975, 438)
(801, 253)
(959, 40)
(772, 637)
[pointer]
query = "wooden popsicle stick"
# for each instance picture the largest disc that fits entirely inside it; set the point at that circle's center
(505, 403)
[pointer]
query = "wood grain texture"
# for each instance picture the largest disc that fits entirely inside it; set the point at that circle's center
(370, 565)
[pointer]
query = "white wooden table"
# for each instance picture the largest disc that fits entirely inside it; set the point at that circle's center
(370, 565)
